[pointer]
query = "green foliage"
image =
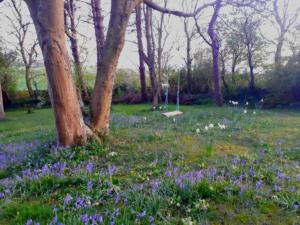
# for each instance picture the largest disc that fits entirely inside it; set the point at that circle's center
(284, 84)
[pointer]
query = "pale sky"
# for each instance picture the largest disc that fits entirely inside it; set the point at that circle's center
(129, 58)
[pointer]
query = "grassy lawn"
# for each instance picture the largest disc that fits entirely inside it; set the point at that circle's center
(155, 170)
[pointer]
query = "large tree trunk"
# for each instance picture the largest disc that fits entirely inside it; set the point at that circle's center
(71, 11)
(28, 82)
(48, 18)
(2, 113)
(141, 53)
(151, 57)
(215, 53)
(102, 94)
(217, 90)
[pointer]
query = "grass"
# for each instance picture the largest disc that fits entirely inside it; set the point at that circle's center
(146, 148)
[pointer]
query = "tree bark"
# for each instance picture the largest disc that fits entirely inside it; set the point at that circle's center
(102, 94)
(99, 31)
(189, 59)
(141, 53)
(72, 35)
(151, 58)
(278, 55)
(251, 68)
(2, 113)
(48, 18)
(28, 81)
(215, 53)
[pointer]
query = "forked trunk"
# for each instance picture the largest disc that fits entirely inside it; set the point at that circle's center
(2, 113)
(48, 18)
(102, 94)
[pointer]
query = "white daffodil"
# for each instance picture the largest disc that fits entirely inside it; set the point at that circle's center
(222, 126)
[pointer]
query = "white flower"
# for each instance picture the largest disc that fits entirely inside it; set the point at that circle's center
(112, 154)
(197, 130)
(254, 112)
(211, 125)
(160, 108)
(247, 103)
(245, 111)
(206, 128)
(222, 126)
(262, 100)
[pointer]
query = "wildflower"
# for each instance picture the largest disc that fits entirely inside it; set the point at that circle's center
(280, 175)
(160, 108)
(112, 154)
(29, 222)
(206, 128)
(245, 111)
(296, 205)
(84, 218)
(68, 199)
(262, 100)
(142, 214)
(197, 130)
(150, 219)
(90, 185)
(211, 125)
(254, 112)
(247, 103)
(259, 184)
(222, 126)
(112, 170)
(89, 167)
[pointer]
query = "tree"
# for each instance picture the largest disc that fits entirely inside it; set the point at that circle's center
(71, 31)
(284, 22)
(21, 28)
(48, 18)
(253, 43)
(139, 32)
(150, 59)
(6, 61)
(214, 44)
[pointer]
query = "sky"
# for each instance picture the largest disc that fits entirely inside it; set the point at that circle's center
(129, 58)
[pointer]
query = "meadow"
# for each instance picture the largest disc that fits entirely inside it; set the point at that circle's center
(230, 165)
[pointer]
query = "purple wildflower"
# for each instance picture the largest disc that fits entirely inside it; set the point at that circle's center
(142, 214)
(89, 167)
(258, 184)
(90, 185)
(68, 199)
(85, 219)
(112, 170)
(150, 219)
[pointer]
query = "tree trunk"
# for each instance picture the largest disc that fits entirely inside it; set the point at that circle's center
(217, 90)
(215, 53)
(2, 113)
(99, 31)
(75, 51)
(28, 82)
(251, 68)
(151, 58)
(223, 73)
(141, 53)
(102, 94)
(189, 65)
(278, 58)
(48, 18)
